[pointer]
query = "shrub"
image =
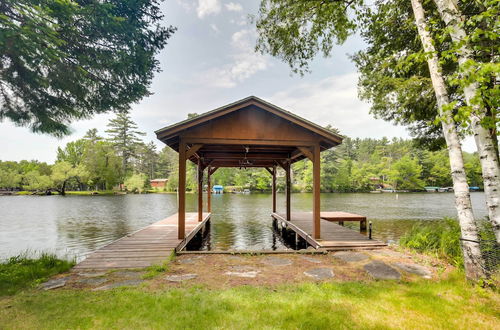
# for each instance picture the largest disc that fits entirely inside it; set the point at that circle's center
(22, 271)
(439, 237)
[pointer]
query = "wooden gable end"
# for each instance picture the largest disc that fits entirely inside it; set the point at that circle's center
(250, 123)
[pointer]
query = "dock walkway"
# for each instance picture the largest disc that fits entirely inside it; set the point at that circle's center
(148, 246)
(333, 236)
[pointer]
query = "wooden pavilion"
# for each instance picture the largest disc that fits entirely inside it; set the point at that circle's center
(247, 133)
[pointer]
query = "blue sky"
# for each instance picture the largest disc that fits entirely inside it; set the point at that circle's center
(209, 62)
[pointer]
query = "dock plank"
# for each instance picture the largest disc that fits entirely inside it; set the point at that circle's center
(145, 247)
(333, 236)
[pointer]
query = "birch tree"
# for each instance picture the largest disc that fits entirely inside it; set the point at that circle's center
(470, 245)
(486, 144)
(296, 31)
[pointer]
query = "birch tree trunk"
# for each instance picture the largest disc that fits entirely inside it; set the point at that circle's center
(485, 143)
(472, 255)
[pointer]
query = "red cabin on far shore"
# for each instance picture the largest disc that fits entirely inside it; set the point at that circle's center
(158, 183)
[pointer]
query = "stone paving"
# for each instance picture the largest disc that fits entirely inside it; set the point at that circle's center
(381, 271)
(53, 284)
(232, 270)
(414, 269)
(320, 273)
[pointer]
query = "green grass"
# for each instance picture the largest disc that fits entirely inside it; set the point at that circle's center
(22, 272)
(441, 238)
(445, 304)
(23, 192)
(86, 193)
(155, 270)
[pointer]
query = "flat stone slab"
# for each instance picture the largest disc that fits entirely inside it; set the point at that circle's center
(320, 273)
(310, 259)
(414, 269)
(381, 271)
(180, 278)
(93, 274)
(349, 256)
(276, 261)
(53, 284)
(92, 281)
(119, 284)
(247, 274)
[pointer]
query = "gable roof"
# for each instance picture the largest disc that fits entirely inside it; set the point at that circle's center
(172, 130)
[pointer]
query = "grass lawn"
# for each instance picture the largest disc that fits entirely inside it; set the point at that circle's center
(450, 304)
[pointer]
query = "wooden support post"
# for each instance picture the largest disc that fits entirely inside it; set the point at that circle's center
(181, 191)
(362, 225)
(288, 190)
(200, 190)
(209, 190)
(274, 188)
(316, 192)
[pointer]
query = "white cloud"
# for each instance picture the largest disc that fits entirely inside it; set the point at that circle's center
(240, 22)
(334, 101)
(214, 28)
(186, 4)
(208, 7)
(244, 62)
(233, 6)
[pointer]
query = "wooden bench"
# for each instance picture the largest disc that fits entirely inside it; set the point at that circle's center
(340, 217)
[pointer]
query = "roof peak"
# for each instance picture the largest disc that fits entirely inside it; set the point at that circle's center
(264, 105)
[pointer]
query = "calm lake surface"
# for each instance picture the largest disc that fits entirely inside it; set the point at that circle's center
(77, 225)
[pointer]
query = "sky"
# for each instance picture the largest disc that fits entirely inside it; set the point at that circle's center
(209, 62)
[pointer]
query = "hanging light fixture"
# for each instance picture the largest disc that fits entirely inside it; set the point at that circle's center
(245, 162)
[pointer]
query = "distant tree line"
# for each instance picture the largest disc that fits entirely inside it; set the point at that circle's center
(122, 160)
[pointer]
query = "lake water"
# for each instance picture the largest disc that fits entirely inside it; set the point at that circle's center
(77, 225)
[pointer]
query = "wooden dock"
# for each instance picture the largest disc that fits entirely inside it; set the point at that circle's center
(333, 236)
(148, 246)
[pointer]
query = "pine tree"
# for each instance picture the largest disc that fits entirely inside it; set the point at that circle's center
(125, 138)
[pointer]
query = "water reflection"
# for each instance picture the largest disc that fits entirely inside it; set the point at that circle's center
(76, 225)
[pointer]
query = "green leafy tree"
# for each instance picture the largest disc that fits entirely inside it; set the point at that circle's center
(147, 159)
(9, 178)
(136, 183)
(473, 168)
(72, 153)
(296, 31)
(167, 163)
(67, 60)
(103, 165)
(34, 181)
(63, 172)
(405, 174)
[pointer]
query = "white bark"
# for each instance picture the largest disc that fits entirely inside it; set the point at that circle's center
(472, 254)
(490, 165)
